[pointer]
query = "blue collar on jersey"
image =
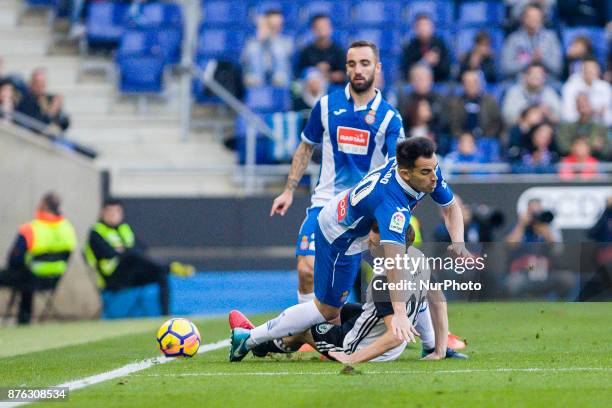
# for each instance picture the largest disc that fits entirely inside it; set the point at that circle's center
(375, 102)
(411, 191)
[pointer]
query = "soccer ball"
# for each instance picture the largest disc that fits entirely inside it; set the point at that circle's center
(178, 338)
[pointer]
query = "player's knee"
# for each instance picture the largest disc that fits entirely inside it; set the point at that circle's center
(328, 312)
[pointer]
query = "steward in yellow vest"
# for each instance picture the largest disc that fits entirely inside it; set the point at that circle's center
(40, 254)
(112, 251)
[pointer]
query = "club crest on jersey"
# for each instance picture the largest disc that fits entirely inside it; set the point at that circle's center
(341, 210)
(353, 141)
(304, 243)
(324, 328)
(370, 117)
(344, 296)
(398, 221)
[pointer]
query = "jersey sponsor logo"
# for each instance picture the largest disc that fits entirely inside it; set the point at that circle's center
(341, 211)
(352, 140)
(324, 328)
(339, 112)
(398, 221)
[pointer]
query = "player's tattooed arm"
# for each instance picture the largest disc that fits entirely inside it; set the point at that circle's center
(300, 161)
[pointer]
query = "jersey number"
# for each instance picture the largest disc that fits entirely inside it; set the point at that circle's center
(364, 188)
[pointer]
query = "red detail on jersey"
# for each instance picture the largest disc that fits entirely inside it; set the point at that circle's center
(342, 208)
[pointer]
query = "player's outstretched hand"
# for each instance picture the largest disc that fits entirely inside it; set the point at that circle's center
(282, 203)
(340, 357)
(403, 329)
(459, 250)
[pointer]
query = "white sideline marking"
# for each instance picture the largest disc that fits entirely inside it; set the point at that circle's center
(121, 371)
(461, 371)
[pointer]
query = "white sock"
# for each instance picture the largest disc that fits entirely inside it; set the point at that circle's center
(305, 297)
(293, 320)
(426, 330)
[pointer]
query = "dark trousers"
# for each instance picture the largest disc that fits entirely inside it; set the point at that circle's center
(26, 283)
(136, 269)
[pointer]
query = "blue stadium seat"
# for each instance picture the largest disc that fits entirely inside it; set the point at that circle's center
(375, 13)
(337, 10)
(160, 15)
(481, 13)
(105, 23)
(390, 68)
(465, 37)
(289, 8)
(596, 34)
(224, 12)
(267, 99)
(388, 40)
(441, 12)
(139, 73)
(221, 44)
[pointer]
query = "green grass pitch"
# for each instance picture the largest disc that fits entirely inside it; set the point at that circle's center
(521, 354)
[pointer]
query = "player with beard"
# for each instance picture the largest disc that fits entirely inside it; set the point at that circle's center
(358, 131)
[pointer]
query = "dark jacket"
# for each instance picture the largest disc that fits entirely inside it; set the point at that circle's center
(414, 51)
(489, 119)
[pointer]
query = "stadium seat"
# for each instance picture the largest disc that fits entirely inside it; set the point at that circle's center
(219, 43)
(224, 12)
(160, 15)
(105, 23)
(375, 13)
(465, 37)
(596, 34)
(266, 99)
(289, 8)
(139, 73)
(441, 11)
(481, 13)
(337, 11)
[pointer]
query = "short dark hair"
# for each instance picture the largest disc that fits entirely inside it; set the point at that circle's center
(364, 43)
(590, 59)
(422, 16)
(535, 65)
(533, 6)
(52, 202)
(482, 36)
(409, 150)
(111, 201)
(316, 17)
(272, 11)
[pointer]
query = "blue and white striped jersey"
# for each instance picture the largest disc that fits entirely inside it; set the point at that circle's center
(381, 196)
(355, 140)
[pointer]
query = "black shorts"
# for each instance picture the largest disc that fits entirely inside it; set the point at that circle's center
(330, 337)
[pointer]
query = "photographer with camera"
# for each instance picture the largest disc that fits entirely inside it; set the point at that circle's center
(534, 268)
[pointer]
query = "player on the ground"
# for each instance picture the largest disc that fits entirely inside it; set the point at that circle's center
(358, 131)
(364, 333)
(387, 196)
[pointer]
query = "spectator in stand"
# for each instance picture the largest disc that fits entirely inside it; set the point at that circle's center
(323, 53)
(588, 82)
(584, 12)
(467, 152)
(587, 128)
(608, 73)
(519, 135)
(532, 90)
(426, 48)
(531, 44)
(7, 102)
(418, 117)
(481, 58)
(474, 111)
(312, 87)
(267, 56)
(517, 7)
(40, 105)
(579, 50)
(542, 155)
(421, 82)
(579, 162)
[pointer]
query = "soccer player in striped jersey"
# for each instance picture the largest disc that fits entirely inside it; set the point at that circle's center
(357, 131)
